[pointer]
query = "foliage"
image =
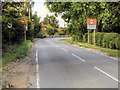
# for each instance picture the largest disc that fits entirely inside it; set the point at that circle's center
(40, 35)
(51, 20)
(76, 14)
(60, 33)
(106, 40)
(13, 12)
(16, 52)
(107, 51)
(36, 25)
(52, 24)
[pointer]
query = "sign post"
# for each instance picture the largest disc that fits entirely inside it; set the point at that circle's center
(94, 37)
(91, 24)
(88, 36)
(9, 25)
(26, 28)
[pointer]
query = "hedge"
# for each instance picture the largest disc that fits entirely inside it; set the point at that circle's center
(77, 38)
(106, 40)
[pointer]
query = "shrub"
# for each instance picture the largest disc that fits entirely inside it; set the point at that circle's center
(109, 40)
(77, 37)
(106, 40)
(17, 52)
(99, 38)
(85, 38)
(114, 43)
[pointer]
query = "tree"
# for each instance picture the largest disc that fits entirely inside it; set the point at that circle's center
(76, 14)
(52, 24)
(36, 24)
(51, 20)
(12, 13)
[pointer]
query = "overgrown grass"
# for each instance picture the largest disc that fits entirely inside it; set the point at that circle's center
(110, 52)
(17, 52)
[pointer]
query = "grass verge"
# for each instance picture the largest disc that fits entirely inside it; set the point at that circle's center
(110, 52)
(17, 52)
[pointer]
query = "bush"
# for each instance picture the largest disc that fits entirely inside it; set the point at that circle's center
(109, 40)
(40, 35)
(106, 40)
(118, 42)
(17, 52)
(99, 38)
(77, 38)
(85, 38)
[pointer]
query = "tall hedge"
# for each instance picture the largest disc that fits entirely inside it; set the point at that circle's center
(77, 37)
(106, 40)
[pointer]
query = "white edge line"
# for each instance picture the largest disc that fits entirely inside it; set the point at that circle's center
(78, 57)
(107, 74)
(37, 68)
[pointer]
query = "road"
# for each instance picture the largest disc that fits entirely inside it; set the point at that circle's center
(61, 65)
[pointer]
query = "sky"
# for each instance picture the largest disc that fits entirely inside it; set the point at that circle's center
(42, 11)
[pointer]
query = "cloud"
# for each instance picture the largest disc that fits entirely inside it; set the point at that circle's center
(42, 11)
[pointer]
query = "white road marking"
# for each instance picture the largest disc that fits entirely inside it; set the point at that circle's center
(107, 74)
(78, 57)
(37, 69)
(65, 50)
(114, 58)
(57, 46)
(98, 53)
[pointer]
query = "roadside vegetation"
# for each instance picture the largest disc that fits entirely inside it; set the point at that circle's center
(19, 28)
(110, 52)
(75, 15)
(16, 52)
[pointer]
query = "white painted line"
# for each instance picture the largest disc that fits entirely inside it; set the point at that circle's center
(36, 45)
(65, 50)
(37, 69)
(107, 74)
(114, 58)
(102, 54)
(57, 46)
(78, 57)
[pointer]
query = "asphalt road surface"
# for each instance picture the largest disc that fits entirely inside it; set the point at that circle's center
(61, 65)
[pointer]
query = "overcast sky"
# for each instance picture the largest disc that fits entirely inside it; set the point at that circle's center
(42, 11)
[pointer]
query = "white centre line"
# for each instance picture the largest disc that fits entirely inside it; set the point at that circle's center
(114, 58)
(107, 74)
(65, 50)
(37, 68)
(57, 46)
(97, 53)
(78, 57)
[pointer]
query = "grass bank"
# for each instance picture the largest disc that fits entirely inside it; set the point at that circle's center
(110, 52)
(17, 52)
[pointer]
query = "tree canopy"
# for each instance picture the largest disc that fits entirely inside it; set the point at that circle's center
(76, 14)
(51, 20)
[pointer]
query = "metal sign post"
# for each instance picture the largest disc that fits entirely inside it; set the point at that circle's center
(25, 27)
(91, 24)
(9, 25)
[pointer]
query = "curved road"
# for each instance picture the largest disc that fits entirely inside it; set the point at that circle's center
(62, 65)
